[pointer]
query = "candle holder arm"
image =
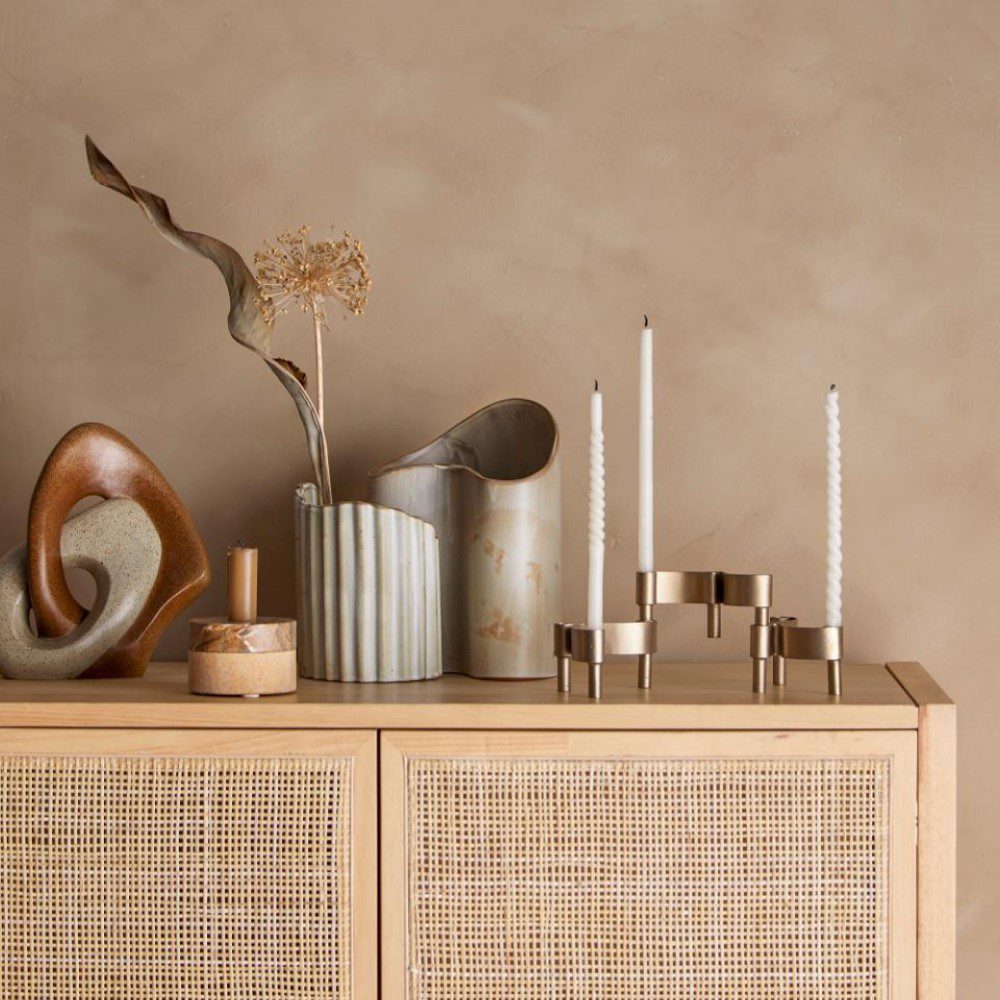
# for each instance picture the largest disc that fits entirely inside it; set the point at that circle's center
(593, 645)
(715, 589)
(791, 641)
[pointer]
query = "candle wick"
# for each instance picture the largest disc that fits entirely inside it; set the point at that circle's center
(645, 320)
(595, 385)
(833, 388)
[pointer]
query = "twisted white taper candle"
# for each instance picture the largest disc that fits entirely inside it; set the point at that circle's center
(834, 545)
(595, 521)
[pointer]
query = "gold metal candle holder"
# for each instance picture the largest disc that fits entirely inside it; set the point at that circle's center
(780, 638)
(791, 641)
(714, 589)
(592, 645)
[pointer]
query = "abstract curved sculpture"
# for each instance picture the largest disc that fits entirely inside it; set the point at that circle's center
(141, 546)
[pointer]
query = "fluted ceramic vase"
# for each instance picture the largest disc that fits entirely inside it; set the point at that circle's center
(367, 592)
(491, 488)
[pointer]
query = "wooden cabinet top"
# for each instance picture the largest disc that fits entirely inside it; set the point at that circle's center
(683, 696)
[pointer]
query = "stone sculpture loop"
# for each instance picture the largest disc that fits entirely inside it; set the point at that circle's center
(140, 545)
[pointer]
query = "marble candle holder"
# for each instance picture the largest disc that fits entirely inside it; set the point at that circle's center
(242, 659)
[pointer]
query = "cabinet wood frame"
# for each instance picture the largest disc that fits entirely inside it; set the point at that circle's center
(937, 833)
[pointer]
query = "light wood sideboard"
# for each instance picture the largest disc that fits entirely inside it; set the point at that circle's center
(460, 839)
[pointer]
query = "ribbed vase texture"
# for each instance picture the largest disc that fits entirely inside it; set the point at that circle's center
(367, 590)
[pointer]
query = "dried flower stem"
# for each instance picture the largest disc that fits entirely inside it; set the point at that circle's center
(318, 335)
(325, 478)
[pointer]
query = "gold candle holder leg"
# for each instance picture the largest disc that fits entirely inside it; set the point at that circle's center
(760, 647)
(589, 644)
(645, 678)
(779, 671)
(561, 648)
(594, 679)
(713, 622)
(564, 674)
(833, 677)
(780, 629)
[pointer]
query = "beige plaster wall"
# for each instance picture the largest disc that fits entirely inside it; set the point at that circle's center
(797, 192)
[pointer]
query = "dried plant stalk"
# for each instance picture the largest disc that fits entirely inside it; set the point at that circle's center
(318, 338)
(248, 318)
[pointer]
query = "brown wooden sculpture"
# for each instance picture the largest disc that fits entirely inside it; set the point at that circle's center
(96, 460)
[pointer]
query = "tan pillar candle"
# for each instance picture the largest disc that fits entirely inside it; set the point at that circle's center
(242, 584)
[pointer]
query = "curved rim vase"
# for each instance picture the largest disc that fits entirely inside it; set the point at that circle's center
(367, 592)
(491, 486)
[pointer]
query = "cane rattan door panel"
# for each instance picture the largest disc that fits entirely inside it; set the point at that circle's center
(683, 866)
(189, 865)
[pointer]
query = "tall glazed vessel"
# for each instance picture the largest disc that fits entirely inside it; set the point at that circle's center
(491, 486)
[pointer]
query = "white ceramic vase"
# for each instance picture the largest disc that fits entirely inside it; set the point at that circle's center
(367, 591)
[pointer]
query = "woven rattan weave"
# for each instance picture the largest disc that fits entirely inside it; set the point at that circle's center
(681, 879)
(185, 878)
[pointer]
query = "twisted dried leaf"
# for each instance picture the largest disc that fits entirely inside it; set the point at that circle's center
(293, 369)
(247, 322)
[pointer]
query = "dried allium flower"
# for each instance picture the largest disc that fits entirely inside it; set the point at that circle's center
(294, 270)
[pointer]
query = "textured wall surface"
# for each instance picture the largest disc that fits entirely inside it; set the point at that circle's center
(797, 191)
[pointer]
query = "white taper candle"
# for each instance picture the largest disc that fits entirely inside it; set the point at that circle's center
(595, 523)
(834, 547)
(646, 448)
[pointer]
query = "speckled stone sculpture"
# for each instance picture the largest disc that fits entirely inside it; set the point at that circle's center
(140, 545)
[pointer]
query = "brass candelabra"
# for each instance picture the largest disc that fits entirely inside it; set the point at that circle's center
(776, 639)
